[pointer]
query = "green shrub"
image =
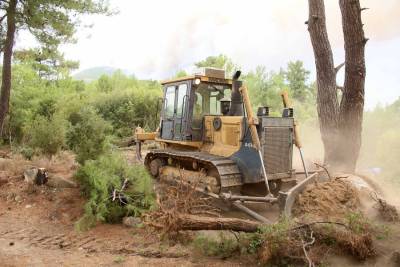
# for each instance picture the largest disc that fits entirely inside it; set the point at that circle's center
(47, 135)
(221, 246)
(128, 109)
(47, 108)
(99, 178)
(88, 134)
(104, 84)
(26, 151)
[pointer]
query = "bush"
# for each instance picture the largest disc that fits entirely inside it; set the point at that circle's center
(126, 110)
(99, 180)
(26, 151)
(88, 134)
(47, 135)
(47, 108)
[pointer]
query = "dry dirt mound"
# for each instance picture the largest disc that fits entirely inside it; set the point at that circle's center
(327, 200)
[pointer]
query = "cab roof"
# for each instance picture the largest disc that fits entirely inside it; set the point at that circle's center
(202, 78)
(205, 74)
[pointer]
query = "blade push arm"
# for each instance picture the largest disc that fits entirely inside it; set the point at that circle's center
(285, 100)
(252, 121)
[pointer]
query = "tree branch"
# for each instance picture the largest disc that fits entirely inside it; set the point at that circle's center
(337, 68)
(2, 18)
(323, 167)
(305, 245)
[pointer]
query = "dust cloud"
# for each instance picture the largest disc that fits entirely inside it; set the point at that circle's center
(373, 163)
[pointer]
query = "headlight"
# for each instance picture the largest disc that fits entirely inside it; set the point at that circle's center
(197, 81)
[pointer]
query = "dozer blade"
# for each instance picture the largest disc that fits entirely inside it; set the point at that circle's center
(287, 199)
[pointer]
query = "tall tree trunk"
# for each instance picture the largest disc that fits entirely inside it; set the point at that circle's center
(8, 51)
(327, 100)
(352, 103)
(340, 125)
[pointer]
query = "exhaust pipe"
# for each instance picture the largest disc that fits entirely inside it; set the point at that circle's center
(236, 97)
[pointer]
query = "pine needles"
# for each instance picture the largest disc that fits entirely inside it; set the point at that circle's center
(114, 190)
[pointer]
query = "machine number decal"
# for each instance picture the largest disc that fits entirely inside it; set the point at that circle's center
(248, 144)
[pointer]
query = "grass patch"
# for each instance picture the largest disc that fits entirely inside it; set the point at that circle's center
(222, 245)
(119, 259)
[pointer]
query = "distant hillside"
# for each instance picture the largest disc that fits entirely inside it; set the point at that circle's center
(91, 74)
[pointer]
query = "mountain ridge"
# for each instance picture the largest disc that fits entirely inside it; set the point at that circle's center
(91, 74)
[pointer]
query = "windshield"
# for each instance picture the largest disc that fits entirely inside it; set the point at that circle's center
(207, 99)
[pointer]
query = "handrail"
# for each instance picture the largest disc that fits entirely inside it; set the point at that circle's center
(183, 105)
(157, 118)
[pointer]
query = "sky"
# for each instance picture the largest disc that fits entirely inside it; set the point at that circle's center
(155, 38)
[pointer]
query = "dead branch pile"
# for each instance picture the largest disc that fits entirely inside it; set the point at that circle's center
(310, 243)
(388, 212)
(181, 207)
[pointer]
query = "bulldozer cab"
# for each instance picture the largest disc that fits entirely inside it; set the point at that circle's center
(187, 100)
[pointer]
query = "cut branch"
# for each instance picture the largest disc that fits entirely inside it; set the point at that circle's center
(305, 245)
(325, 169)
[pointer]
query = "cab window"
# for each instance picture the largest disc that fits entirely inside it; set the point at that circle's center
(210, 95)
(182, 99)
(169, 103)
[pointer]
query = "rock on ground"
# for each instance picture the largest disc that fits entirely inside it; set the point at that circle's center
(35, 175)
(131, 221)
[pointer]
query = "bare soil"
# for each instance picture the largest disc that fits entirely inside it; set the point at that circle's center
(328, 200)
(37, 227)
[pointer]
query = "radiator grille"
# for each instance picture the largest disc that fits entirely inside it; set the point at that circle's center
(277, 149)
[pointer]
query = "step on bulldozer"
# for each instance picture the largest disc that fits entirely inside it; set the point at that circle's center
(208, 133)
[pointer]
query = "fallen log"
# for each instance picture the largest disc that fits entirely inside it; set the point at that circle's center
(194, 222)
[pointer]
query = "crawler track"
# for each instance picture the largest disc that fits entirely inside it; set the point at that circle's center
(227, 171)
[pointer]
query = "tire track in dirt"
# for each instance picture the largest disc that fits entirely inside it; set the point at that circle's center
(61, 239)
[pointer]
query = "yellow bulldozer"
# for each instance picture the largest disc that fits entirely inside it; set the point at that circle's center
(209, 133)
